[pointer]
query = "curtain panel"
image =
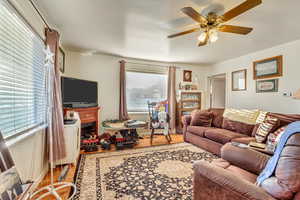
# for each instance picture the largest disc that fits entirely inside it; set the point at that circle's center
(172, 98)
(123, 113)
(57, 125)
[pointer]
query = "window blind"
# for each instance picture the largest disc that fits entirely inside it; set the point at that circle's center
(22, 74)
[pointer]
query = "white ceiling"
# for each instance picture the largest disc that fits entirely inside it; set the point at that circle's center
(139, 28)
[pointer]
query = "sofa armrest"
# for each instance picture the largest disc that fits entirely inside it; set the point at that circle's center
(244, 158)
(215, 183)
(186, 120)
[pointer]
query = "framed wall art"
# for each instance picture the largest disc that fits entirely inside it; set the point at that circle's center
(61, 60)
(187, 76)
(239, 80)
(267, 68)
(270, 85)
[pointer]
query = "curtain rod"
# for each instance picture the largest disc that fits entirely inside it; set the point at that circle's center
(151, 64)
(40, 14)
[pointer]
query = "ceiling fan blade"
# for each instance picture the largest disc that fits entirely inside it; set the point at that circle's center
(191, 12)
(247, 5)
(184, 32)
(204, 42)
(235, 29)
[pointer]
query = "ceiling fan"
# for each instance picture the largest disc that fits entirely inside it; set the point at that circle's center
(212, 23)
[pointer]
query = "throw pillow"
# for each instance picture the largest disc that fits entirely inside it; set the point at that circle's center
(201, 118)
(217, 117)
(268, 126)
(241, 115)
(261, 117)
(278, 133)
(255, 130)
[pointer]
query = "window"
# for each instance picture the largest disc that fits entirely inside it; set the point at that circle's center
(143, 87)
(22, 74)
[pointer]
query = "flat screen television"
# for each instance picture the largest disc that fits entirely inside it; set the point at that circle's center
(77, 93)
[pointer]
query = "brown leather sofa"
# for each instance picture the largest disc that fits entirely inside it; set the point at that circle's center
(233, 176)
(213, 138)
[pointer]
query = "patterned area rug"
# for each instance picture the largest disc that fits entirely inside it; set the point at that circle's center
(162, 172)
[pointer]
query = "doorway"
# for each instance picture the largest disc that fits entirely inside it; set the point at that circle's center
(217, 91)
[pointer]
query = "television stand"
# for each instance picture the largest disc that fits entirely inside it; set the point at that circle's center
(89, 118)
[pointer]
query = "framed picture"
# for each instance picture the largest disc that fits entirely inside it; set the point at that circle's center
(187, 76)
(270, 85)
(239, 80)
(61, 60)
(267, 68)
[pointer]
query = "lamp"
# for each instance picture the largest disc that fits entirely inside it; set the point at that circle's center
(202, 37)
(297, 94)
(213, 35)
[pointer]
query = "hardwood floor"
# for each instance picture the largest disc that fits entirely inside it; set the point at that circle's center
(157, 140)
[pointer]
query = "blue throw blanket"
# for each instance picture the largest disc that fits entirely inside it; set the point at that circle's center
(272, 163)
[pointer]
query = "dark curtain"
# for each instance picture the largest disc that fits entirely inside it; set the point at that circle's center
(57, 125)
(123, 113)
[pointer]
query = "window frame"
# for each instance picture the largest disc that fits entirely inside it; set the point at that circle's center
(156, 72)
(43, 125)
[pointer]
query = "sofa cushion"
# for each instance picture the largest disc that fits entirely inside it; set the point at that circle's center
(244, 140)
(221, 135)
(197, 130)
(217, 117)
(201, 118)
(238, 127)
(236, 171)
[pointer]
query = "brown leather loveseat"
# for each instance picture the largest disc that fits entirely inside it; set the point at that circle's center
(233, 176)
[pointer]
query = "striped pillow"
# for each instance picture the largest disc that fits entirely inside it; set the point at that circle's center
(265, 128)
(261, 117)
(241, 115)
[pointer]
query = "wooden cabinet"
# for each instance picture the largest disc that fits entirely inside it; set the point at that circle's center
(87, 115)
(189, 101)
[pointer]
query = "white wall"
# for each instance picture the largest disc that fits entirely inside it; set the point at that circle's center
(29, 153)
(105, 70)
(274, 102)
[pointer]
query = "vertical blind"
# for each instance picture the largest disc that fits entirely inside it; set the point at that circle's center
(22, 74)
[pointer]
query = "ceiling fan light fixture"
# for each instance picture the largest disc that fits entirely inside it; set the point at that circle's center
(213, 35)
(202, 37)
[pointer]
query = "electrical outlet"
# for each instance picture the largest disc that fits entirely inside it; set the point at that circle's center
(287, 94)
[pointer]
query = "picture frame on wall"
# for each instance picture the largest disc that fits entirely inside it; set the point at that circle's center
(268, 68)
(239, 80)
(187, 76)
(270, 85)
(61, 60)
